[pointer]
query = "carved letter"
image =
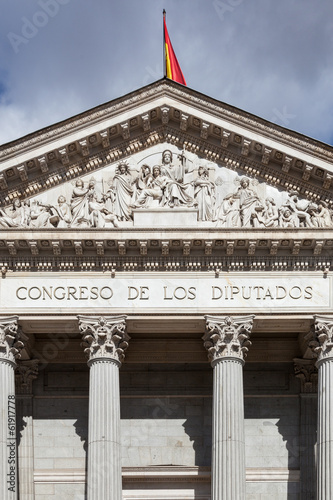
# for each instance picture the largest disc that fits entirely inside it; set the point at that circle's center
(213, 292)
(131, 291)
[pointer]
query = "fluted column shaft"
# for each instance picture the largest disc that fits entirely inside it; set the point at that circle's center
(9, 350)
(104, 448)
(227, 341)
(322, 345)
(325, 430)
(105, 340)
(8, 457)
(228, 447)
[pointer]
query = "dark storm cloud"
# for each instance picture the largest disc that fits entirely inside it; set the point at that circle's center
(273, 59)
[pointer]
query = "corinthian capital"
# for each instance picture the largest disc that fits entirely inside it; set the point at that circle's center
(26, 372)
(227, 337)
(10, 345)
(104, 337)
(307, 372)
(322, 338)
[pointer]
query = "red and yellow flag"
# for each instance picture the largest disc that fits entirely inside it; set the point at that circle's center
(172, 68)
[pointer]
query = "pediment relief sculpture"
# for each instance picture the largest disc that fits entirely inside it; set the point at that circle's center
(166, 180)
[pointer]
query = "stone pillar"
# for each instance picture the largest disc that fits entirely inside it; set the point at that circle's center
(26, 372)
(306, 371)
(322, 345)
(10, 347)
(227, 342)
(105, 341)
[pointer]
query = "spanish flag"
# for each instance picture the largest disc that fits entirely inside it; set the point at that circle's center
(172, 68)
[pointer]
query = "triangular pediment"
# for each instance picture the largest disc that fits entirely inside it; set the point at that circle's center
(231, 175)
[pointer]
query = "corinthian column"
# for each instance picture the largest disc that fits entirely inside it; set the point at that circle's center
(105, 341)
(322, 344)
(10, 347)
(227, 342)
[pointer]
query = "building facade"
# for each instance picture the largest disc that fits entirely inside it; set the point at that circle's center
(166, 306)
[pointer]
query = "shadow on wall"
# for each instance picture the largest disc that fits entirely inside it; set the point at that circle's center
(272, 435)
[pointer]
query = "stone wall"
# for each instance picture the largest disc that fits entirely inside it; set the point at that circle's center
(166, 421)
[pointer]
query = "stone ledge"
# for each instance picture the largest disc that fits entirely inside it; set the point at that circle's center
(167, 473)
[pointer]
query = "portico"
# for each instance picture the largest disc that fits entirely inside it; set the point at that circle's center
(165, 297)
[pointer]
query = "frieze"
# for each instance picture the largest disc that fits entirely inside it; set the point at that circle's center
(164, 180)
(133, 294)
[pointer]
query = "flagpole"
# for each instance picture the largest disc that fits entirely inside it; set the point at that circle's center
(164, 61)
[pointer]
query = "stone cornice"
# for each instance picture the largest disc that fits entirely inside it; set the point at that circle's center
(315, 245)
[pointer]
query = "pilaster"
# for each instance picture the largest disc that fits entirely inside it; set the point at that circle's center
(307, 372)
(105, 340)
(227, 342)
(26, 373)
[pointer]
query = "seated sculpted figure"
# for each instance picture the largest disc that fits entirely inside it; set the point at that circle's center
(320, 215)
(228, 214)
(63, 212)
(287, 218)
(154, 190)
(267, 215)
(177, 193)
(300, 210)
(99, 214)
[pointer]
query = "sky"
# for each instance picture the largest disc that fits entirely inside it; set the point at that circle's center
(271, 58)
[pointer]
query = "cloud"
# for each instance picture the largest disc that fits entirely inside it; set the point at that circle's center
(260, 56)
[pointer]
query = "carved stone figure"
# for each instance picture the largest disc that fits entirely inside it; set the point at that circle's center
(177, 193)
(204, 195)
(267, 215)
(320, 215)
(99, 214)
(123, 185)
(143, 180)
(41, 215)
(287, 218)
(64, 212)
(228, 214)
(248, 201)
(155, 191)
(80, 205)
(299, 209)
(15, 217)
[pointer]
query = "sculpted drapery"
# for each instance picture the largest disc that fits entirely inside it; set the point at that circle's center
(123, 185)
